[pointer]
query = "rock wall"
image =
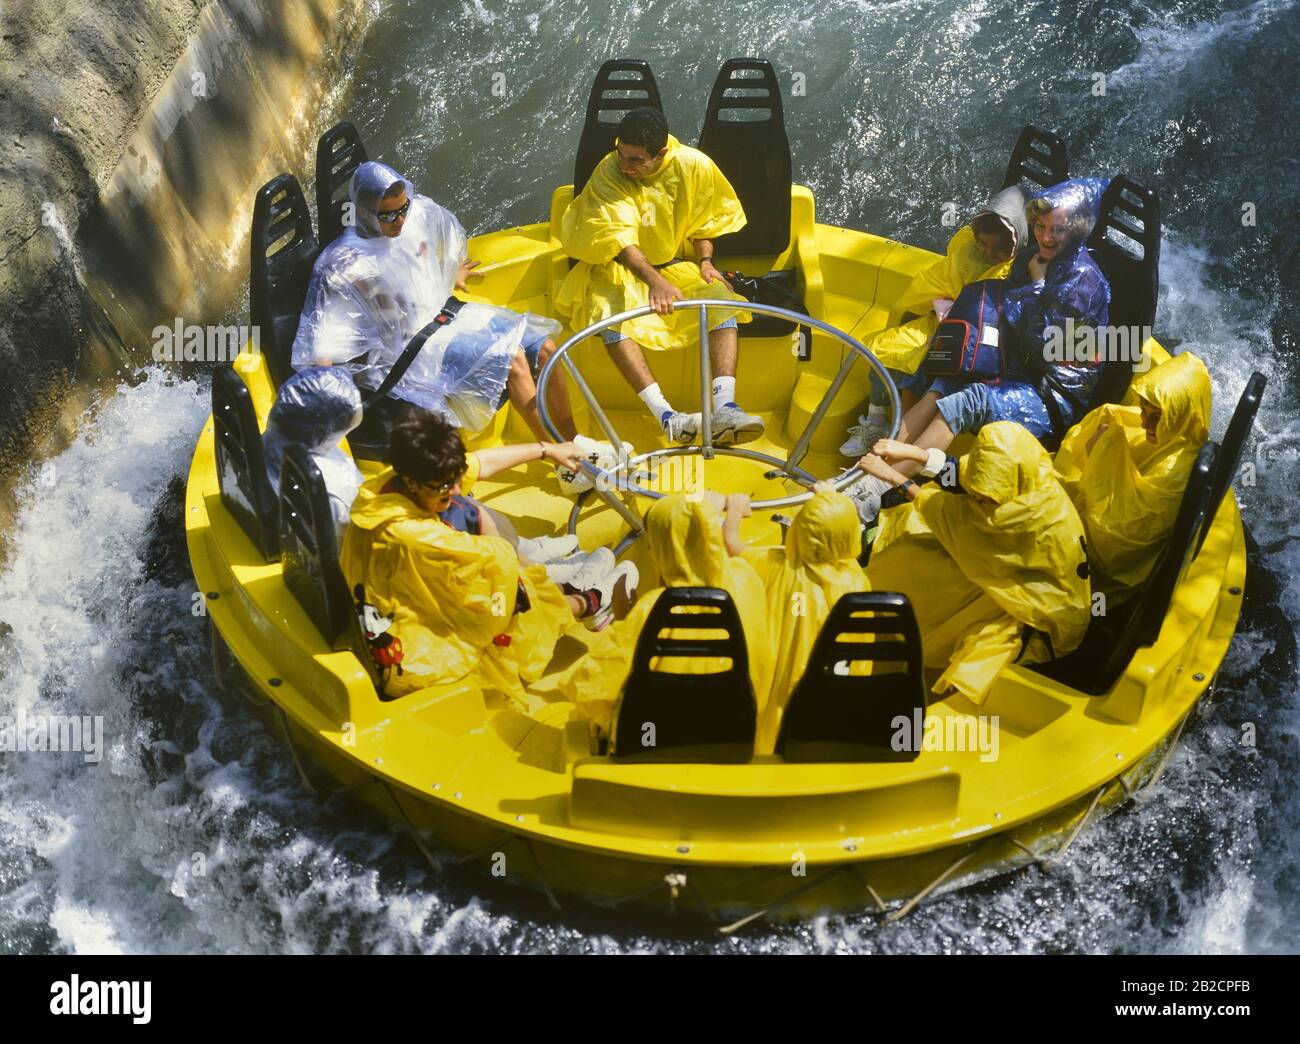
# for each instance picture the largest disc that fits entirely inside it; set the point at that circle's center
(133, 136)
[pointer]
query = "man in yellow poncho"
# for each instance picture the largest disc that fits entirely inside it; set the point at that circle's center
(628, 230)
(1125, 469)
(804, 579)
(994, 563)
(461, 605)
(982, 249)
(685, 547)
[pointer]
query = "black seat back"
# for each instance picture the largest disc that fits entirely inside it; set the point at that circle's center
(309, 555)
(283, 249)
(338, 154)
(837, 716)
(1114, 637)
(665, 716)
(744, 134)
(622, 84)
(1038, 156)
(1131, 265)
(1232, 448)
(241, 467)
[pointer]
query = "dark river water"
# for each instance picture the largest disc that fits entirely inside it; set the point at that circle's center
(193, 834)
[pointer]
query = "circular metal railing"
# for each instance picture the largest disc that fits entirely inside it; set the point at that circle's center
(617, 485)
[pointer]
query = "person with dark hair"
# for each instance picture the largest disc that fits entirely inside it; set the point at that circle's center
(649, 204)
(462, 603)
(1054, 290)
(982, 249)
(390, 274)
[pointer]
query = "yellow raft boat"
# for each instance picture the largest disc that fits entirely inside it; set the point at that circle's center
(531, 798)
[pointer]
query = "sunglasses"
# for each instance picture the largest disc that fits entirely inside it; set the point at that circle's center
(389, 216)
(442, 487)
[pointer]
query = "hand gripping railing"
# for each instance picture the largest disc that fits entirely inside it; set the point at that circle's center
(609, 480)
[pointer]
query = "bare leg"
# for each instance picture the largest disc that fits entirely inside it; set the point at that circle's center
(918, 418)
(723, 350)
(557, 395)
(630, 360)
(523, 394)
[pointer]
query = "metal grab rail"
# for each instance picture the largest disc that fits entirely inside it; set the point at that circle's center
(608, 480)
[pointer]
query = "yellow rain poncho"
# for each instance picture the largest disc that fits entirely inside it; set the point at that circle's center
(977, 575)
(804, 580)
(904, 347)
(688, 198)
(684, 544)
(1127, 488)
(450, 596)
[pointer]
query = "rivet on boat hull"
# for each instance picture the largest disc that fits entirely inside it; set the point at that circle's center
(1198, 677)
(683, 849)
(1234, 590)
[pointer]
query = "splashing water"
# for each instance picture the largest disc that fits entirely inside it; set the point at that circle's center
(193, 834)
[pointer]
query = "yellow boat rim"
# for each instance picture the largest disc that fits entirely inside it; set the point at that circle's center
(1005, 784)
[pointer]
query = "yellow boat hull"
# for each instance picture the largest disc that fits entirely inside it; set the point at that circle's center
(527, 799)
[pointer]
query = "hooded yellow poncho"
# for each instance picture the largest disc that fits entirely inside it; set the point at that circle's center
(1126, 488)
(977, 575)
(449, 594)
(687, 198)
(904, 347)
(804, 580)
(684, 543)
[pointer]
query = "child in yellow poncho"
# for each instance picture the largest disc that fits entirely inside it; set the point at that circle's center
(685, 546)
(1125, 469)
(628, 231)
(462, 605)
(982, 249)
(803, 580)
(995, 567)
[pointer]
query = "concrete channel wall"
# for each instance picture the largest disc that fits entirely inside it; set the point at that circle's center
(133, 136)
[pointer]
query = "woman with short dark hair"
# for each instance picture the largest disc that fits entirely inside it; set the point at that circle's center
(463, 604)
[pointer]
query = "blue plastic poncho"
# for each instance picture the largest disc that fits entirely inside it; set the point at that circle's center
(317, 407)
(370, 294)
(1045, 317)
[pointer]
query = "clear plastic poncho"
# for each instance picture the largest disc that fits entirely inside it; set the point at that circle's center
(370, 294)
(317, 407)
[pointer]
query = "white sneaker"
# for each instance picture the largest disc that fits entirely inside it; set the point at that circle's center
(601, 454)
(621, 583)
(732, 426)
(863, 435)
(545, 549)
(681, 427)
(866, 496)
(573, 482)
(583, 570)
(592, 568)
